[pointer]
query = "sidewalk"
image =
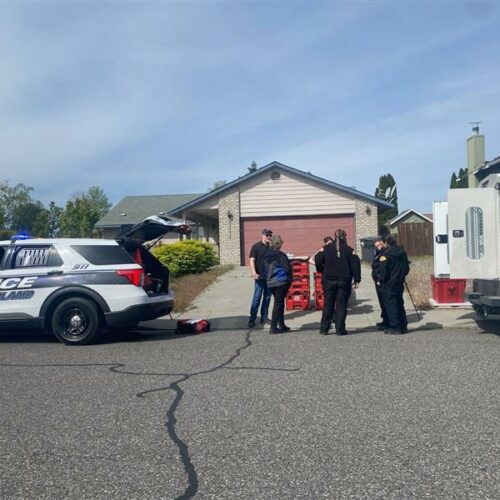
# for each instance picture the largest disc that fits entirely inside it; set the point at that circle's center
(226, 304)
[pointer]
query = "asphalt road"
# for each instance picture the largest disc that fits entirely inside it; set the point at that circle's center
(241, 414)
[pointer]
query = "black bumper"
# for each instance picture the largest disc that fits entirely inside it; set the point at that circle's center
(480, 299)
(134, 314)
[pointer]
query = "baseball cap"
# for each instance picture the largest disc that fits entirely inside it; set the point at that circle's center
(267, 232)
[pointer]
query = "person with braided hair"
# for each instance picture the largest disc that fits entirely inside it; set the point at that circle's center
(341, 270)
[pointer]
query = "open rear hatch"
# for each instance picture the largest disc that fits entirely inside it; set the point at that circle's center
(150, 231)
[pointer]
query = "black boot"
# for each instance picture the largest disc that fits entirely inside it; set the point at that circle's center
(275, 329)
(285, 328)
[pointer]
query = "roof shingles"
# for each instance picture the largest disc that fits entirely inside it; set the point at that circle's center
(137, 208)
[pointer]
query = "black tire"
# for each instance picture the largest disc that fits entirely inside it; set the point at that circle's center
(75, 321)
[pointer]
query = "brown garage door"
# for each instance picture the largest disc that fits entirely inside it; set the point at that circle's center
(302, 235)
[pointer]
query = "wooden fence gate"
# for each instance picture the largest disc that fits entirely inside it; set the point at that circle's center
(416, 238)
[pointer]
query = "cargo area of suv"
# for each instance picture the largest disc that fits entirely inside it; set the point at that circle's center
(134, 239)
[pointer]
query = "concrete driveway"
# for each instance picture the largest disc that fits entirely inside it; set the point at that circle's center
(227, 303)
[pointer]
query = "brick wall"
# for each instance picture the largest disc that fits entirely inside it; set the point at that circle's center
(366, 222)
(229, 227)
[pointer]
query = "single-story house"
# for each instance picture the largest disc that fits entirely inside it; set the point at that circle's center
(406, 217)
(133, 209)
(297, 205)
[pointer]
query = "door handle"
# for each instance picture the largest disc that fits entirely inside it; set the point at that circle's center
(54, 273)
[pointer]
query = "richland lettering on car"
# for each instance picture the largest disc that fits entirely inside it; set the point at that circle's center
(17, 295)
(11, 283)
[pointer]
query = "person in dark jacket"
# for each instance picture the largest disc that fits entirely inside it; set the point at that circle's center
(278, 278)
(379, 252)
(326, 241)
(257, 254)
(341, 269)
(394, 266)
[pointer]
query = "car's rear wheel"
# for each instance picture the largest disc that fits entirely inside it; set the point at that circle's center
(75, 321)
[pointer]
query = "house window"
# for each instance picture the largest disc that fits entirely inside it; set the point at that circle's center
(474, 233)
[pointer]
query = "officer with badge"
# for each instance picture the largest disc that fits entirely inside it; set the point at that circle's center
(379, 252)
(393, 268)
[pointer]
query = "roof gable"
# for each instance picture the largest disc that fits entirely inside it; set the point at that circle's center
(350, 191)
(406, 213)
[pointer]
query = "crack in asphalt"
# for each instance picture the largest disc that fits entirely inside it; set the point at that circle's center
(189, 469)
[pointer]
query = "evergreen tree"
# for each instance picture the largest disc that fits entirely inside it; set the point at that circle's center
(461, 180)
(252, 167)
(387, 191)
(453, 182)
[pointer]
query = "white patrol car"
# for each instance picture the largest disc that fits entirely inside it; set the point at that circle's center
(76, 287)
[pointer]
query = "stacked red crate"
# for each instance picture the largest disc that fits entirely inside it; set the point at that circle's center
(299, 294)
(319, 297)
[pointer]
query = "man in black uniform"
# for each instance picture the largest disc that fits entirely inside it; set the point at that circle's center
(394, 266)
(261, 291)
(379, 252)
(340, 268)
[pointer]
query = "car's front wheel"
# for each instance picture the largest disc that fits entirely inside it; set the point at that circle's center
(75, 321)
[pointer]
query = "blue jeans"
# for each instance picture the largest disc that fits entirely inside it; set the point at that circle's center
(260, 290)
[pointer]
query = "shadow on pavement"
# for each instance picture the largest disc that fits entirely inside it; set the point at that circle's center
(490, 326)
(26, 337)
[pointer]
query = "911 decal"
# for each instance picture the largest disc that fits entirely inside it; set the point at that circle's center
(17, 295)
(81, 266)
(11, 283)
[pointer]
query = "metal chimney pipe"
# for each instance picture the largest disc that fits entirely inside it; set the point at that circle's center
(476, 154)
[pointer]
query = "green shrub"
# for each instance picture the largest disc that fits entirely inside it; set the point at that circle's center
(6, 234)
(186, 257)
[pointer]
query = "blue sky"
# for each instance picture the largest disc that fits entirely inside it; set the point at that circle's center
(169, 97)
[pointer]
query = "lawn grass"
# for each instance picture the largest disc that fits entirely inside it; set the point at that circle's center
(419, 280)
(188, 287)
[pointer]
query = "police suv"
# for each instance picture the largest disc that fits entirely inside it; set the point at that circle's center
(77, 287)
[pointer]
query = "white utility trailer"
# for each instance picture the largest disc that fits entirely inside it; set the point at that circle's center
(474, 242)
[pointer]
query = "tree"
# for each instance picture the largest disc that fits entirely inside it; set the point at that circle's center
(461, 180)
(82, 213)
(11, 199)
(252, 167)
(217, 185)
(387, 191)
(453, 182)
(47, 224)
(24, 216)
